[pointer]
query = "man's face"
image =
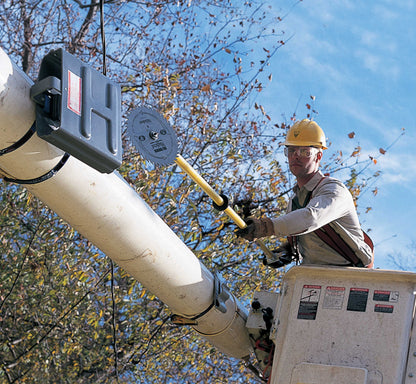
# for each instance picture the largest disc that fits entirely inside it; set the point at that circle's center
(303, 161)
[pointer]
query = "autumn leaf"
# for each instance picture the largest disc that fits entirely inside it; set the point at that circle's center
(351, 135)
(382, 151)
(356, 152)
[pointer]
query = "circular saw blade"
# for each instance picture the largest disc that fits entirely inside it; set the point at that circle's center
(152, 136)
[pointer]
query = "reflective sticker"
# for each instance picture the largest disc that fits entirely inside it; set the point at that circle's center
(74, 93)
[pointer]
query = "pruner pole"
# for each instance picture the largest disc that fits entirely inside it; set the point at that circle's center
(217, 199)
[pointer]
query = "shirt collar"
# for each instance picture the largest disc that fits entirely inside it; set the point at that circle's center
(312, 183)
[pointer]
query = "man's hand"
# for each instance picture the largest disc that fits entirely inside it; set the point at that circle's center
(256, 228)
(284, 255)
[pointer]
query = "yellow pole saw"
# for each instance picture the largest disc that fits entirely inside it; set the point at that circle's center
(156, 141)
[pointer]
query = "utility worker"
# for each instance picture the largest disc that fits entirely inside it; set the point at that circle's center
(321, 222)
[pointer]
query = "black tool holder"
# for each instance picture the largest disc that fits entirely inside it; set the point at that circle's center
(79, 110)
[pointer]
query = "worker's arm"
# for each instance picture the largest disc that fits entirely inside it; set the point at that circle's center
(330, 201)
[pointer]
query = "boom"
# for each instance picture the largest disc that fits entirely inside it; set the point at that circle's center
(108, 212)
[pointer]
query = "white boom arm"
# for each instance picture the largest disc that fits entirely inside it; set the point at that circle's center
(108, 212)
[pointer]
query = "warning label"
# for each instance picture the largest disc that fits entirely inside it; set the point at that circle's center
(384, 308)
(311, 293)
(390, 296)
(74, 93)
(307, 311)
(308, 306)
(357, 299)
(334, 297)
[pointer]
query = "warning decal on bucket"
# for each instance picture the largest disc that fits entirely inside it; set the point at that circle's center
(384, 308)
(308, 306)
(391, 296)
(357, 300)
(334, 297)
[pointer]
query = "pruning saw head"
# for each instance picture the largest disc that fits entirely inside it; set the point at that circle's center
(152, 136)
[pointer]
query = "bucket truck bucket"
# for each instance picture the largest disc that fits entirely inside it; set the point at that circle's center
(344, 326)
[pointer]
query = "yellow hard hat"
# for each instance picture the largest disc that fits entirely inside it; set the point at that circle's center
(306, 133)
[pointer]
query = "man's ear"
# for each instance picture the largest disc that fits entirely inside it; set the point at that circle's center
(319, 156)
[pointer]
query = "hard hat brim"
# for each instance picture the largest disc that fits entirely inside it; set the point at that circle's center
(302, 144)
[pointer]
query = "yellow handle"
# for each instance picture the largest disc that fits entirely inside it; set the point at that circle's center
(233, 215)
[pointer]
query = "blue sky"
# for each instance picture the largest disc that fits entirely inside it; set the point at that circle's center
(358, 60)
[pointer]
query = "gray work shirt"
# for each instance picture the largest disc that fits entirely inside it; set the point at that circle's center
(331, 202)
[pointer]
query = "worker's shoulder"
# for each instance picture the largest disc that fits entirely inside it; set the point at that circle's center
(331, 182)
